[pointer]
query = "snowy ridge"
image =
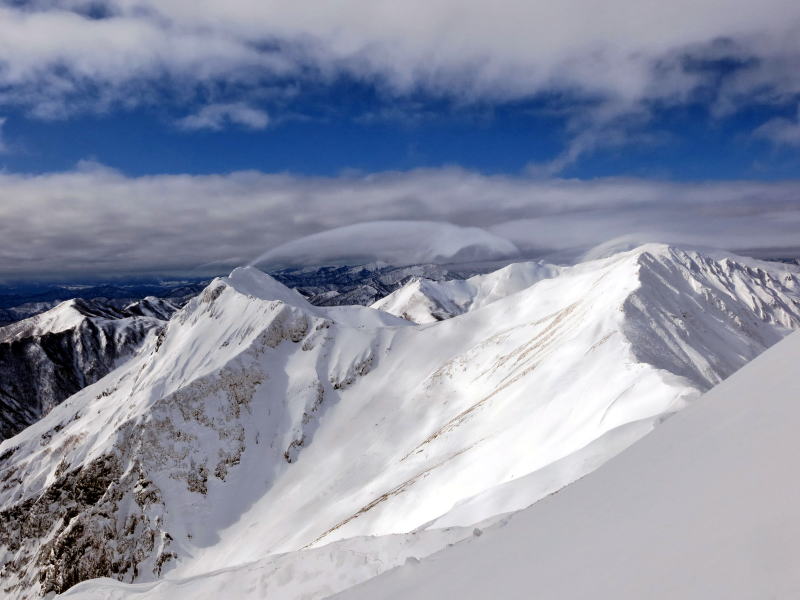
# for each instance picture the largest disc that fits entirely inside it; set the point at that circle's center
(425, 301)
(712, 488)
(66, 315)
(150, 306)
(362, 284)
(257, 424)
(700, 314)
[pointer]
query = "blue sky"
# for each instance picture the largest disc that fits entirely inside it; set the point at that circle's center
(132, 131)
(347, 127)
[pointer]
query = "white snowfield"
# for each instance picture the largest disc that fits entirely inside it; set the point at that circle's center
(258, 425)
(704, 507)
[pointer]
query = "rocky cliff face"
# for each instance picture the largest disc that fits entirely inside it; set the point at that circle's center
(48, 357)
(188, 419)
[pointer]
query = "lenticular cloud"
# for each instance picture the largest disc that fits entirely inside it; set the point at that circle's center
(394, 242)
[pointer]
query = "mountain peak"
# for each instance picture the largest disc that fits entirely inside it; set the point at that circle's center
(63, 316)
(251, 281)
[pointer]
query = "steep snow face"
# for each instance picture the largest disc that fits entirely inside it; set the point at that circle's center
(702, 315)
(704, 507)
(47, 358)
(153, 456)
(425, 301)
(257, 424)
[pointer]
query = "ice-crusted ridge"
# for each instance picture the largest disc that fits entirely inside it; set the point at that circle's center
(256, 424)
(65, 315)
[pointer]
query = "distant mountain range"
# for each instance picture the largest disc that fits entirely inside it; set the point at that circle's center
(50, 348)
(46, 358)
(323, 286)
(25, 300)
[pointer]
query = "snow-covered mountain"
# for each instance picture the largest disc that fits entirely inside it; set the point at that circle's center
(150, 306)
(258, 427)
(42, 373)
(362, 284)
(705, 507)
(21, 301)
(46, 358)
(327, 285)
(422, 300)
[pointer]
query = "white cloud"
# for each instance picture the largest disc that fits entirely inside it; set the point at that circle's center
(217, 116)
(780, 131)
(393, 242)
(619, 51)
(95, 220)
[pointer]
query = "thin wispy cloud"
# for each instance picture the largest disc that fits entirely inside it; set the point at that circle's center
(218, 116)
(781, 131)
(98, 221)
(3, 143)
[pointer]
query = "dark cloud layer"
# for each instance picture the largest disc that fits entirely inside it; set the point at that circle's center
(97, 221)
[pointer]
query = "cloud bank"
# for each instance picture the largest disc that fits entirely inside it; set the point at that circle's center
(95, 221)
(58, 56)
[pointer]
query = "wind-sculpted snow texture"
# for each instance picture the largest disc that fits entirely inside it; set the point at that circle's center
(258, 425)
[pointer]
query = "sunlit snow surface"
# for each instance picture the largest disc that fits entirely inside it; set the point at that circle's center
(425, 301)
(269, 426)
(704, 507)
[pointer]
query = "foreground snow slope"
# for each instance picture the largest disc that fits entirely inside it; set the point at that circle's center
(257, 424)
(300, 575)
(704, 507)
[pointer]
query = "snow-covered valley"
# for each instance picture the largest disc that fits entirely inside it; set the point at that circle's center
(300, 450)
